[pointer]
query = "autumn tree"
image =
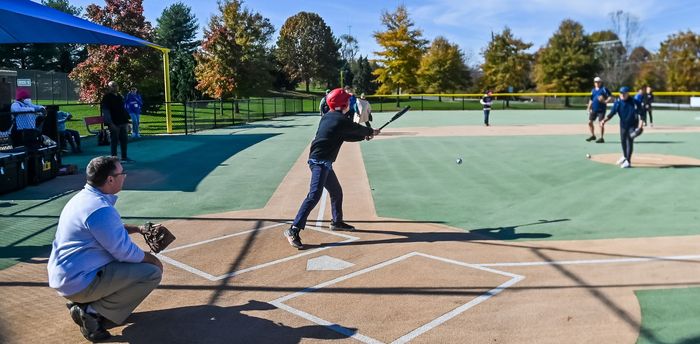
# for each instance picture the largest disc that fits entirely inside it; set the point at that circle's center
(506, 62)
(403, 48)
(565, 63)
(680, 56)
(127, 66)
(233, 60)
(307, 49)
(176, 30)
(442, 68)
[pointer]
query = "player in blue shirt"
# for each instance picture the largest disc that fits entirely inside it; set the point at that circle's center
(629, 111)
(600, 96)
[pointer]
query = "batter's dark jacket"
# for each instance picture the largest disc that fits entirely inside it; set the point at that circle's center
(333, 130)
(629, 111)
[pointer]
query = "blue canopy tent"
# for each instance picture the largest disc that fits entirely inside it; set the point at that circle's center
(24, 21)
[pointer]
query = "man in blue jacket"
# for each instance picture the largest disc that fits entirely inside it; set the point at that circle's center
(629, 111)
(93, 261)
(333, 129)
(600, 97)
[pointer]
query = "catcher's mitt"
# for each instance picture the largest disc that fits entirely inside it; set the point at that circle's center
(157, 236)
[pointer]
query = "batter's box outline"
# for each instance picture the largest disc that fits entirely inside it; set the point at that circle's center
(280, 302)
(203, 274)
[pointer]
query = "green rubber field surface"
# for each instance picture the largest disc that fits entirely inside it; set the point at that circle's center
(671, 315)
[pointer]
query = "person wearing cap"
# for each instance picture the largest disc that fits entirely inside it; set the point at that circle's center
(363, 111)
(323, 106)
(24, 112)
(648, 100)
(353, 102)
(486, 102)
(600, 96)
(333, 129)
(629, 111)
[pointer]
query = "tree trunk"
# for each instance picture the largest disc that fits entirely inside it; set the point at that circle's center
(307, 85)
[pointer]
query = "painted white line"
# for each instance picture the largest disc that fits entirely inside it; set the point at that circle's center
(514, 278)
(186, 267)
(322, 208)
(330, 325)
(198, 272)
(222, 237)
(594, 261)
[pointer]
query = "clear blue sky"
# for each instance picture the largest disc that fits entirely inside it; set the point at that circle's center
(467, 23)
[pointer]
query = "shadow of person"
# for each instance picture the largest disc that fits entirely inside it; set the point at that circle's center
(215, 324)
(509, 233)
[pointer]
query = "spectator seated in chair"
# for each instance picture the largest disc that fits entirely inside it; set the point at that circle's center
(28, 119)
(65, 135)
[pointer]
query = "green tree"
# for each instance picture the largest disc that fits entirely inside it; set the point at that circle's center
(364, 81)
(442, 68)
(176, 30)
(307, 49)
(403, 48)
(139, 66)
(506, 62)
(233, 59)
(349, 48)
(564, 64)
(680, 56)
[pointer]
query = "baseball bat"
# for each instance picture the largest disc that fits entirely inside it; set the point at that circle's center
(396, 116)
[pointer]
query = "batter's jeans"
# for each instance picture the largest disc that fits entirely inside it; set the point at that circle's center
(322, 176)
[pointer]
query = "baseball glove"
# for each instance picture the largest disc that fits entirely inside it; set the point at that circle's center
(157, 236)
(634, 134)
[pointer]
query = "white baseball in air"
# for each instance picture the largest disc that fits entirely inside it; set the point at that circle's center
(588, 156)
(458, 161)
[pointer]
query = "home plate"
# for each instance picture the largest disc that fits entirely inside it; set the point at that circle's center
(323, 263)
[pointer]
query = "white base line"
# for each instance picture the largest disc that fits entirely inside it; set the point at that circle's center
(322, 209)
(413, 334)
(223, 237)
(200, 273)
(594, 261)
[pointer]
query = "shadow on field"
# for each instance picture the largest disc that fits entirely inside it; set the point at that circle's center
(215, 324)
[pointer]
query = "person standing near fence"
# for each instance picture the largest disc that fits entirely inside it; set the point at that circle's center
(116, 119)
(134, 104)
(323, 106)
(648, 100)
(600, 97)
(334, 128)
(639, 99)
(486, 102)
(363, 111)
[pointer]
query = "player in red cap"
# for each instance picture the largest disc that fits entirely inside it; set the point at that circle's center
(333, 129)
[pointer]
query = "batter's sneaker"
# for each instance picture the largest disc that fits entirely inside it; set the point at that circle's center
(341, 226)
(292, 235)
(592, 138)
(600, 140)
(90, 324)
(620, 160)
(626, 164)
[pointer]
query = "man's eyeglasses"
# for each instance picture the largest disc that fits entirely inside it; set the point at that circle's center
(118, 174)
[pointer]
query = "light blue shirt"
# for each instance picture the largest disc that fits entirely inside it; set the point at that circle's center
(90, 235)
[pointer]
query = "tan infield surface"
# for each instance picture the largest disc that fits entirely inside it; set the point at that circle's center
(233, 278)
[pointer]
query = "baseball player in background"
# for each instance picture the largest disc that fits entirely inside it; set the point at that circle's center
(600, 97)
(363, 111)
(333, 129)
(486, 102)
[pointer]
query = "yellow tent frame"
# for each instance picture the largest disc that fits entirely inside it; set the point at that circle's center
(166, 82)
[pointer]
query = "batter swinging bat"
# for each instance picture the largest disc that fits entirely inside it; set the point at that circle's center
(396, 116)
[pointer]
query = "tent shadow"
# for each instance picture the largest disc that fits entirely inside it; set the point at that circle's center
(215, 324)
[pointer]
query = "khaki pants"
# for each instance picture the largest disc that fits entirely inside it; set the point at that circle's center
(119, 288)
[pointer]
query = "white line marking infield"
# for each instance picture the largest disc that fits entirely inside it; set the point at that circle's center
(200, 273)
(279, 303)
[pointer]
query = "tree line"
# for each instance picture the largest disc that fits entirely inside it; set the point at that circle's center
(237, 57)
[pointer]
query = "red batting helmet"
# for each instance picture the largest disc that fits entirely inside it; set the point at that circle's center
(337, 99)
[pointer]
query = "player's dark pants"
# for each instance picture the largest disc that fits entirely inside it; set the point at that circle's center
(486, 116)
(119, 136)
(71, 137)
(321, 176)
(627, 142)
(651, 118)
